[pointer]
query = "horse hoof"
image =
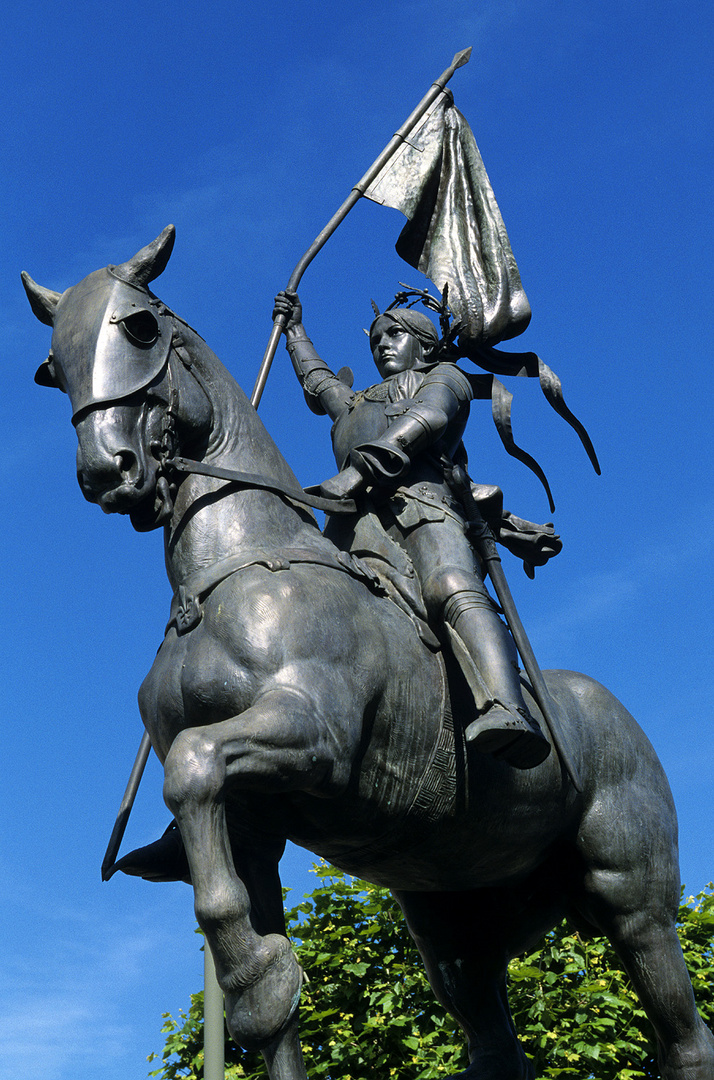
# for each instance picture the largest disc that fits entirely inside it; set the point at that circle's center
(258, 1013)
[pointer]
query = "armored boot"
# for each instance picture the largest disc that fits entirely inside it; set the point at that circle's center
(487, 656)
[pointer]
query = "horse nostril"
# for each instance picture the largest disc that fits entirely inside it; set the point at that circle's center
(126, 463)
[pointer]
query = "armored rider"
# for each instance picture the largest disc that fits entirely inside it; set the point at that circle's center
(396, 444)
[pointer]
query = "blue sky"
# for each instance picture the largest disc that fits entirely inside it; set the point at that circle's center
(247, 127)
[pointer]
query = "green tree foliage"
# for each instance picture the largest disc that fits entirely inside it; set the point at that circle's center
(368, 1011)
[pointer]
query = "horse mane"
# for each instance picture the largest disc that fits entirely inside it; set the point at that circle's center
(235, 418)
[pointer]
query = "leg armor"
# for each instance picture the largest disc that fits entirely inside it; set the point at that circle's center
(485, 651)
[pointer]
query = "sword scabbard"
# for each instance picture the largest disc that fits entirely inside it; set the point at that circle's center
(485, 544)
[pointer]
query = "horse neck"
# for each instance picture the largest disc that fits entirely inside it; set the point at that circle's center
(212, 519)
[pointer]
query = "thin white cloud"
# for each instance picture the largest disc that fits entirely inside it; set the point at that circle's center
(64, 998)
(635, 571)
(60, 1009)
(49, 1036)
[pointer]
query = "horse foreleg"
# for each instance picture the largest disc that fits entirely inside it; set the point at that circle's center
(257, 972)
(465, 955)
(258, 870)
(256, 967)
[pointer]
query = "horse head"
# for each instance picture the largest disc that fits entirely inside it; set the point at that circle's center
(111, 353)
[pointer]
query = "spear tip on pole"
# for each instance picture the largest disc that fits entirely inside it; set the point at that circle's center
(462, 58)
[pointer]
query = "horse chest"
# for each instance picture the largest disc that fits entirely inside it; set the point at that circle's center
(192, 682)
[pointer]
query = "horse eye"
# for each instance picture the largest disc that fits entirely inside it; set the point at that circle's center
(141, 327)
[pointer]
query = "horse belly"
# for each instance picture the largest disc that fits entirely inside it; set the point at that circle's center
(462, 820)
(500, 838)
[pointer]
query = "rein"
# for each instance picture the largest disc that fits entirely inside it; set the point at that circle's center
(253, 480)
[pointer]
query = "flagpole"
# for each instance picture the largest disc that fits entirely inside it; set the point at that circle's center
(214, 1044)
(357, 192)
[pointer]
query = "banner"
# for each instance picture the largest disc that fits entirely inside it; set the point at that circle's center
(455, 232)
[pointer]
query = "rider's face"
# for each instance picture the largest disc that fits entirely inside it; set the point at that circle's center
(393, 349)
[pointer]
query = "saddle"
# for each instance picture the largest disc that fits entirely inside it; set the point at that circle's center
(364, 537)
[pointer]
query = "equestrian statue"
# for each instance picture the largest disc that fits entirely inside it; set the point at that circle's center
(355, 691)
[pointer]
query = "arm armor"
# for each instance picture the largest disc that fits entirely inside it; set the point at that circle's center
(324, 391)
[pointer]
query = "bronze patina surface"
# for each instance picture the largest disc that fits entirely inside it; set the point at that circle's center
(300, 694)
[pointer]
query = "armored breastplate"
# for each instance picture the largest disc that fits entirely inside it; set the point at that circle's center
(371, 411)
(365, 421)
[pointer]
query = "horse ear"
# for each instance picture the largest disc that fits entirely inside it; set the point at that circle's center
(42, 301)
(151, 261)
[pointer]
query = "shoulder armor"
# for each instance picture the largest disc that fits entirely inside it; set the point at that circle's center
(450, 375)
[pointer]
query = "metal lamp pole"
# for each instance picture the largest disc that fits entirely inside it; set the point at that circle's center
(214, 1056)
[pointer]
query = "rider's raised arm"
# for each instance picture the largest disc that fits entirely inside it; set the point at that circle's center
(324, 391)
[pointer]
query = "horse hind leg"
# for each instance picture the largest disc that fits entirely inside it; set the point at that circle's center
(466, 965)
(646, 941)
(631, 894)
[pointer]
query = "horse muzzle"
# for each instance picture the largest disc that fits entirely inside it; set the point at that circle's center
(111, 472)
(118, 464)
(117, 490)
(148, 504)
(119, 499)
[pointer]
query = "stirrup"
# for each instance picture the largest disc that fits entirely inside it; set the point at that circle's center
(510, 735)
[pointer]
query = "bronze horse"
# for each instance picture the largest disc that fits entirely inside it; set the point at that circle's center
(292, 699)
